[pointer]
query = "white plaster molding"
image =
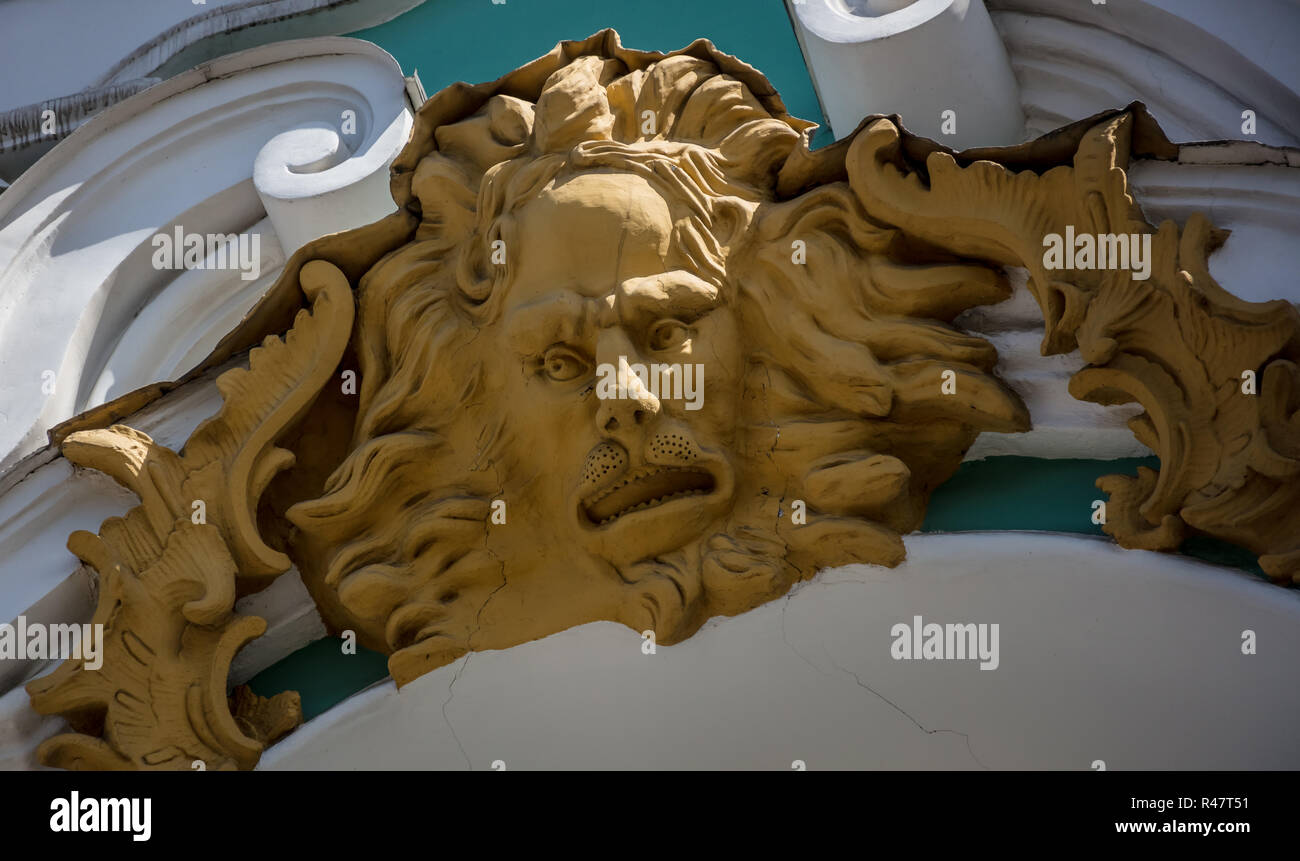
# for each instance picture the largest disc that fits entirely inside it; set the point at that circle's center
(22, 127)
(1259, 203)
(1146, 672)
(916, 58)
(1197, 64)
(171, 36)
(292, 621)
(75, 230)
(21, 730)
(1063, 427)
(99, 44)
(234, 25)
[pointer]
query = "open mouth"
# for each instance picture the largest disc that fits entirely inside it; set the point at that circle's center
(647, 488)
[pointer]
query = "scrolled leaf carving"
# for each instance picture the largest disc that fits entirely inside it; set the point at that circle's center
(167, 576)
(1176, 342)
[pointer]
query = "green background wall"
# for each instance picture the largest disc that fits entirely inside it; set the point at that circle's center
(477, 40)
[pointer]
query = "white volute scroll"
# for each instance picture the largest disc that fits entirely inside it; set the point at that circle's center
(267, 148)
(313, 180)
(939, 64)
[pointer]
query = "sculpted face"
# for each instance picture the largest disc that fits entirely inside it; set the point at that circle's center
(631, 474)
(613, 375)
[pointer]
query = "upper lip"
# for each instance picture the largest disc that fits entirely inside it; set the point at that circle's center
(645, 488)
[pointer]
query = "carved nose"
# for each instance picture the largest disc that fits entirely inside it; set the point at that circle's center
(617, 416)
(632, 405)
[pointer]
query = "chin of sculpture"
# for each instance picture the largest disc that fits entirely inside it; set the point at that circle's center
(512, 464)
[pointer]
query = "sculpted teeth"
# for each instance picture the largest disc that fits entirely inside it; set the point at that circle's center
(644, 488)
(631, 477)
(652, 502)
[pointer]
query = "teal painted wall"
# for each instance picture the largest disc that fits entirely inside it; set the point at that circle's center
(477, 40)
(321, 674)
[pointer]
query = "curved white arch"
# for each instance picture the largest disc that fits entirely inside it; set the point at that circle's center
(1197, 64)
(1128, 657)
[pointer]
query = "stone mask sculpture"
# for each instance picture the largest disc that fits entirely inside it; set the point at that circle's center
(633, 221)
(629, 350)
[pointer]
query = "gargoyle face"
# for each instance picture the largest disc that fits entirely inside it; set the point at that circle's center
(628, 371)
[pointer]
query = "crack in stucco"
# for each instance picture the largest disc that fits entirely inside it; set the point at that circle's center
(450, 694)
(478, 624)
(785, 605)
(896, 707)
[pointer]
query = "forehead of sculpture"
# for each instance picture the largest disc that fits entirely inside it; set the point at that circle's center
(590, 232)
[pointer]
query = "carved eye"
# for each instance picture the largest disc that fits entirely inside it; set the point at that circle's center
(668, 335)
(562, 364)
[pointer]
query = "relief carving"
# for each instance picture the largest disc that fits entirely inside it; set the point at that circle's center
(515, 462)
(1177, 343)
(169, 571)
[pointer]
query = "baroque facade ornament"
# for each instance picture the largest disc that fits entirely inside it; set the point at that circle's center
(514, 461)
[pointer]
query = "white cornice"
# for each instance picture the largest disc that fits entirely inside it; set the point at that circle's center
(1197, 64)
(244, 24)
(104, 43)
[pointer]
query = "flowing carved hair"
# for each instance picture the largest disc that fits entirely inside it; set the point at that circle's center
(845, 328)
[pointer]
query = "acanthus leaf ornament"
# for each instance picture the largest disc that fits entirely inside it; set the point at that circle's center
(1176, 343)
(167, 578)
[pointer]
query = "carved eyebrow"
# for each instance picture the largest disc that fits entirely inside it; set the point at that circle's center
(532, 328)
(673, 294)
